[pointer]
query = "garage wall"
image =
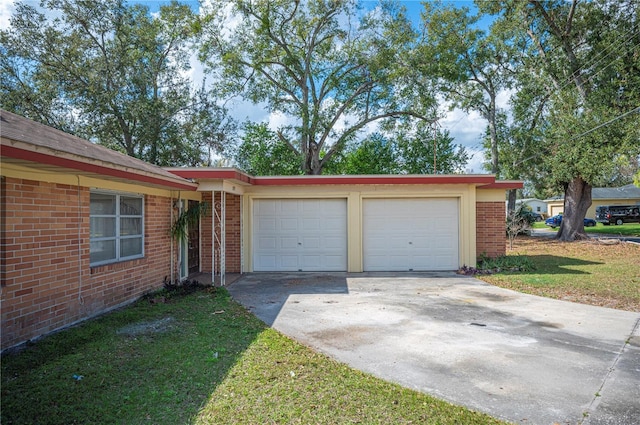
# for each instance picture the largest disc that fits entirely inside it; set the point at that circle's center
(491, 239)
(355, 196)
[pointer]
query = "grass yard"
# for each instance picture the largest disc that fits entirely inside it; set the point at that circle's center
(627, 229)
(199, 359)
(589, 272)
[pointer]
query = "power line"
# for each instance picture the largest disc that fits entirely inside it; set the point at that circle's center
(604, 124)
(570, 80)
(591, 130)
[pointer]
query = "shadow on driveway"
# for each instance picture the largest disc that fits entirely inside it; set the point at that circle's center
(518, 357)
(265, 294)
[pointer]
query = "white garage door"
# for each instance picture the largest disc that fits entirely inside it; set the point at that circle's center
(300, 235)
(410, 234)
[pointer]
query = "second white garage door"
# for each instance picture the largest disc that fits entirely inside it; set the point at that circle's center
(416, 234)
(300, 235)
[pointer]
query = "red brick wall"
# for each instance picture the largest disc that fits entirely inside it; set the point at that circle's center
(233, 234)
(47, 282)
(491, 239)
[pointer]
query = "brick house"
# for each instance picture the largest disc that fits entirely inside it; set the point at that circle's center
(86, 229)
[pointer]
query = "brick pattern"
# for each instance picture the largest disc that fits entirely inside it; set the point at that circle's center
(233, 233)
(491, 238)
(47, 282)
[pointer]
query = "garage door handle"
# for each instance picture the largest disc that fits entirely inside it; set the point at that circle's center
(299, 243)
(410, 243)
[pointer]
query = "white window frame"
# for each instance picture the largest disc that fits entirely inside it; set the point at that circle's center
(117, 236)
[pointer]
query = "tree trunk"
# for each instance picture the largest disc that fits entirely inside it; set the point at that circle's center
(511, 203)
(313, 161)
(577, 200)
(493, 133)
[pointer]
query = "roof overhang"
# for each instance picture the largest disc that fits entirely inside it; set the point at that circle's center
(48, 160)
(482, 181)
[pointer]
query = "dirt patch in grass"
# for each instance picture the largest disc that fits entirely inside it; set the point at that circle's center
(592, 272)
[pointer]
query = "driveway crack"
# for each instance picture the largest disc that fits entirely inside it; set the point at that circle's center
(593, 406)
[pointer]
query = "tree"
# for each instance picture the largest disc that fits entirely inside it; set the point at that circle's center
(261, 153)
(405, 154)
(580, 62)
(376, 154)
(429, 152)
(472, 67)
(107, 71)
(311, 62)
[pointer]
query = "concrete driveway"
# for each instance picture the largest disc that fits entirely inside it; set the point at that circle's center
(520, 358)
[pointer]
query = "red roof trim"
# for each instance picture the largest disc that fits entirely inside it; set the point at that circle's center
(17, 153)
(504, 185)
(372, 180)
(232, 174)
(211, 174)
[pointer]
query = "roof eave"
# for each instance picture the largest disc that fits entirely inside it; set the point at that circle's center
(65, 160)
(207, 174)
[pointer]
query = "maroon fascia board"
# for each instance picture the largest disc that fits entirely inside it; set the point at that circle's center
(27, 155)
(483, 181)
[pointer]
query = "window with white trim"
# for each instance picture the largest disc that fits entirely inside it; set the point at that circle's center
(116, 227)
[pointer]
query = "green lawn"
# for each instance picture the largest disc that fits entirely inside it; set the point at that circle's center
(604, 273)
(627, 229)
(199, 359)
(203, 359)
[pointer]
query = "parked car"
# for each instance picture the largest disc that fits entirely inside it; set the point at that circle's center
(537, 216)
(617, 214)
(556, 220)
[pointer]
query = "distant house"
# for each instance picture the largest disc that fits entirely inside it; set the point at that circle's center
(86, 229)
(537, 205)
(624, 195)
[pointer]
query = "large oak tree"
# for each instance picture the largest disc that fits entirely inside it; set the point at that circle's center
(112, 72)
(580, 78)
(317, 63)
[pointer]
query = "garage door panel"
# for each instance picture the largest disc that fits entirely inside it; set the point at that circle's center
(266, 262)
(312, 242)
(265, 207)
(309, 235)
(311, 224)
(289, 261)
(267, 243)
(333, 262)
(288, 225)
(288, 243)
(266, 224)
(287, 206)
(333, 224)
(410, 234)
(333, 243)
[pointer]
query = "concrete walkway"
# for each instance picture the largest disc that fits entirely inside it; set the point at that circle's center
(521, 358)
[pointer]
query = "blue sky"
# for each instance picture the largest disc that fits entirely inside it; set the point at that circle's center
(466, 129)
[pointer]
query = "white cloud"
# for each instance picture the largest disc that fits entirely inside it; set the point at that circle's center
(277, 120)
(6, 10)
(467, 129)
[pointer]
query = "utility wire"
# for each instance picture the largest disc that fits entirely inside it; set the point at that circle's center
(593, 64)
(591, 130)
(636, 109)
